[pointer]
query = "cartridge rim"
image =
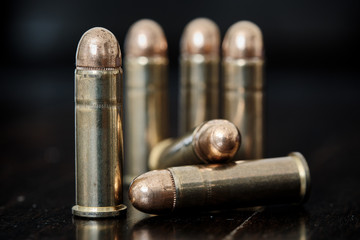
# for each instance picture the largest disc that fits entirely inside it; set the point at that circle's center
(98, 212)
(304, 173)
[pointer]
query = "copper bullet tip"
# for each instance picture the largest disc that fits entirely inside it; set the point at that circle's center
(200, 36)
(217, 141)
(98, 48)
(145, 38)
(153, 192)
(243, 40)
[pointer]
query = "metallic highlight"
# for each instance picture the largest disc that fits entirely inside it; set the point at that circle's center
(146, 94)
(243, 86)
(223, 186)
(199, 74)
(214, 141)
(98, 127)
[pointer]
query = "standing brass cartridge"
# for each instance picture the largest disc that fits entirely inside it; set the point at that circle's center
(219, 186)
(146, 106)
(242, 103)
(214, 141)
(199, 74)
(98, 127)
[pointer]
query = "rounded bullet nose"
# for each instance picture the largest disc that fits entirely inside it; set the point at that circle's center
(98, 48)
(145, 38)
(243, 40)
(218, 141)
(226, 137)
(200, 36)
(153, 192)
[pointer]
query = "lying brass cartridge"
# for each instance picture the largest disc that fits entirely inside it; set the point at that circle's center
(219, 186)
(146, 99)
(98, 127)
(242, 101)
(214, 141)
(199, 74)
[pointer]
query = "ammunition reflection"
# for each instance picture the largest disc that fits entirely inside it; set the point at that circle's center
(98, 229)
(242, 101)
(146, 99)
(218, 186)
(98, 128)
(213, 141)
(285, 222)
(199, 74)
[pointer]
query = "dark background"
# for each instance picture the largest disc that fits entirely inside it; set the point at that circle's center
(313, 101)
(301, 34)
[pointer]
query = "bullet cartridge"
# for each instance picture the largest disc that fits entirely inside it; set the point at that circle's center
(146, 95)
(243, 84)
(199, 74)
(218, 186)
(98, 127)
(213, 141)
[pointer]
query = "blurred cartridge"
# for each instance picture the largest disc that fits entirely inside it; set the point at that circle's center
(242, 96)
(214, 141)
(199, 74)
(98, 127)
(146, 99)
(219, 186)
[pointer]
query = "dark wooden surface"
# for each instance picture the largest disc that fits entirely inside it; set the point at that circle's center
(314, 112)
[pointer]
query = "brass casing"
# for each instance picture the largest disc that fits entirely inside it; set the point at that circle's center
(174, 152)
(242, 183)
(214, 141)
(146, 107)
(98, 142)
(243, 103)
(199, 83)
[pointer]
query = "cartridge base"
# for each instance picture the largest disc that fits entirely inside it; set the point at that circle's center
(98, 212)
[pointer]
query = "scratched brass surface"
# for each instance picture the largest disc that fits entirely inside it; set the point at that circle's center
(99, 143)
